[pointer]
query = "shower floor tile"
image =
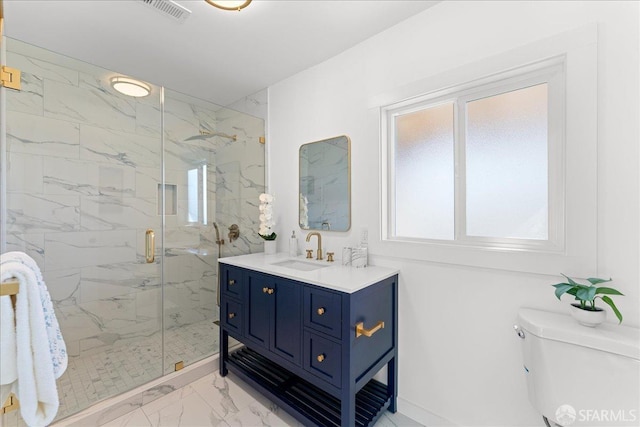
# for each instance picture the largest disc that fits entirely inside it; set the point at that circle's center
(124, 366)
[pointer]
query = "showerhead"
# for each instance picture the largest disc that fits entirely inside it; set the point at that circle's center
(207, 135)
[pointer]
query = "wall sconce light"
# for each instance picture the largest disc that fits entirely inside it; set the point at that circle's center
(229, 4)
(130, 87)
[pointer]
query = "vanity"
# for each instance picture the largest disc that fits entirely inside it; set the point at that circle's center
(315, 334)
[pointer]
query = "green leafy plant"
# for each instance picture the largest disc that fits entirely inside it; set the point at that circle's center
(587, 294)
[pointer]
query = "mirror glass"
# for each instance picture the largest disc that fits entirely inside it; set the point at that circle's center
(325, 184)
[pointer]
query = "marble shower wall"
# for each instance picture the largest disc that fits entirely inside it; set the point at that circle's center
(240, 180)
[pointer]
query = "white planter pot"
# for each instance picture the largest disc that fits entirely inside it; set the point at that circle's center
(586, 317)
(270, 247)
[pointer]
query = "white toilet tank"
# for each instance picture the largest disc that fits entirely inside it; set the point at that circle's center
(581, 376)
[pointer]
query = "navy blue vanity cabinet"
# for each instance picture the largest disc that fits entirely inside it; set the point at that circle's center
(231, 300)
(274, 315)
(311, 349)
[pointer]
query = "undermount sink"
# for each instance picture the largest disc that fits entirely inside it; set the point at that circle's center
(300, 265)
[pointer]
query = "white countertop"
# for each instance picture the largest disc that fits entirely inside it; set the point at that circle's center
(336, 276)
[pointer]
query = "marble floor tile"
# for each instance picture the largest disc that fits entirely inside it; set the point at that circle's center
(135, 418)
(257, 415)
(396, 420)
(225, 402)
(223, 394)
(188, 410)
(234, 403)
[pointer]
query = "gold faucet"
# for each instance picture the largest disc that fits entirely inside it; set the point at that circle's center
(315, 233)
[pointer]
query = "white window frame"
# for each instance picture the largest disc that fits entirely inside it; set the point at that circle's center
(572, 244)
(550, 72)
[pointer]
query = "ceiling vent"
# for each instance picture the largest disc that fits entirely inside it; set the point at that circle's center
(169, 8)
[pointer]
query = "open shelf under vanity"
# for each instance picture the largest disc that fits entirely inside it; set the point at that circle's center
(315, 405)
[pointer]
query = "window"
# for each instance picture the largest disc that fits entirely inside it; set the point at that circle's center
(480, 164)
(473, 174)
(197, 195)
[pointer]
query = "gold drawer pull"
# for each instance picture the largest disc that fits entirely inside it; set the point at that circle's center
(270, 291)
(320, 358)
(232, 315)
(232, 282)
(321, 311)
(265, 290)
(360, 330)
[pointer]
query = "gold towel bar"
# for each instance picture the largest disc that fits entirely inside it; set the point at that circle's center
(10, 405)
(10, 287)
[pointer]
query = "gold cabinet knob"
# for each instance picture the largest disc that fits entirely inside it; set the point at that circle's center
(232, 315)
(232, 282)
(265, 289)
(320, 357)
(320, 311)
(270, 291)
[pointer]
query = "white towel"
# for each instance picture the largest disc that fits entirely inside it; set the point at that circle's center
(56, 342)
(8, 355)
(40, 347)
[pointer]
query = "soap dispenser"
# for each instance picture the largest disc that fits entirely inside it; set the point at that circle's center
(293, 244)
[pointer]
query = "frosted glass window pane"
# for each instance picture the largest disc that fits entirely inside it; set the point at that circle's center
(506, 165)
(424, 177)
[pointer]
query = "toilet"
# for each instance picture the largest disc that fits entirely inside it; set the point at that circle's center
(577, 375)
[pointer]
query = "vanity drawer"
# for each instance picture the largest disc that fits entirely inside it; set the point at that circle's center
(323, 358)
(231, 315)
(231, 281)
(323, 311)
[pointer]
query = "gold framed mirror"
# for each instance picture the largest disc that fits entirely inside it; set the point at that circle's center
(325, 184)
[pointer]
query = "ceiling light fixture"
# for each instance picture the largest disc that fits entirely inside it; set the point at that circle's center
(130, 87)
(229, 4)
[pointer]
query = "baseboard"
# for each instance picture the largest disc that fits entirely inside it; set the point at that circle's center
(421, 415)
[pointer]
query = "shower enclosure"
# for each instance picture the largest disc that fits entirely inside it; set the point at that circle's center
(88, 176)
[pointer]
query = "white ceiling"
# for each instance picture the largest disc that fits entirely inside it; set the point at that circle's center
(217, 55)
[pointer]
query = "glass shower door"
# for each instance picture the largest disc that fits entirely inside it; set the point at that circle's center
(214, 172)
(83, 164)
(190, 245)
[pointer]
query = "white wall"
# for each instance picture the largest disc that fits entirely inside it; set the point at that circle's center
(459, 358)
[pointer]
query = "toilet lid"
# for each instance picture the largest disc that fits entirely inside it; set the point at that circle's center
(612, 338)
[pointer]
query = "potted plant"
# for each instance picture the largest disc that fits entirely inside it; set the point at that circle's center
(267, 223)
(585, 310)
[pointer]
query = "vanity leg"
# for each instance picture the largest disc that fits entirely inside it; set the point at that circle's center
(224, 352)
(348, 409)
(392, 383)
(392, 366)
